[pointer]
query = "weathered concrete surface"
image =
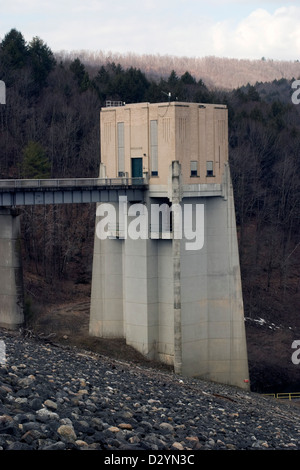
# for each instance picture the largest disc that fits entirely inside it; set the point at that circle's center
(11, 278)
(175, 303)
(213, 331)
(183, 307)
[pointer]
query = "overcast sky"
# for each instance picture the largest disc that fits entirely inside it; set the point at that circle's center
(193, 28)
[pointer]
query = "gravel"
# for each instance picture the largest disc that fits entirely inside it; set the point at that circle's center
(61, 398)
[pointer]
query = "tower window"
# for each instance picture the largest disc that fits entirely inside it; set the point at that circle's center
(194, 168)
(121, 149)
(154, 148)
(209, 169)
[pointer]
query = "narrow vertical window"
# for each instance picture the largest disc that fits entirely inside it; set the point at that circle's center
(209, 169)
(154, 148)
(182, 129)
(194, 168)
(166, 129)
(121, 149)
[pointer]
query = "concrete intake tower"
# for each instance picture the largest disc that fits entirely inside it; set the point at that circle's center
(166, 272)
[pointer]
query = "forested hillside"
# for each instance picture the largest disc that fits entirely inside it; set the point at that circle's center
(50, 128)
(216, 72)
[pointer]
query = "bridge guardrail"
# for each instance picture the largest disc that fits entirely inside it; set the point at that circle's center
(69, 183)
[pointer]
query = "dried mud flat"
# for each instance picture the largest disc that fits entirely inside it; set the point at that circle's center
(68, 325)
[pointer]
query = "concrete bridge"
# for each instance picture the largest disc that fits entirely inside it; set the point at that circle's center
(23, 192)
(15, 193)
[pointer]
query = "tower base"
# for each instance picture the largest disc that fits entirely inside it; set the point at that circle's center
(175, 304)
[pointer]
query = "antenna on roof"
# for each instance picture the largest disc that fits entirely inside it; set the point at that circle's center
(168, 94)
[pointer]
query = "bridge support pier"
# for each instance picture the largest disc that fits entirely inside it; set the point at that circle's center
(179, 304)
(11, 278)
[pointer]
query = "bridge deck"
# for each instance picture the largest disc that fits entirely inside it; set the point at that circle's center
(20, 192)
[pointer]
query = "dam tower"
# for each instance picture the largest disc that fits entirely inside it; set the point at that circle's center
(166, 271)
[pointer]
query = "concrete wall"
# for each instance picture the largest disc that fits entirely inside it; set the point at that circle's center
(183, 307)
(141, 295)
(11, 280)
(132, 294)
(213, 331)
(106, 314)
(165, 337)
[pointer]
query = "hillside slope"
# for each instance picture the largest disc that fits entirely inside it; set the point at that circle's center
(216, 72)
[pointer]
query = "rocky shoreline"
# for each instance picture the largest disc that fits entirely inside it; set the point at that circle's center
(61, 398)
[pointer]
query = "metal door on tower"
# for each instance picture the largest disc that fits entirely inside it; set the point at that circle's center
(137, 167)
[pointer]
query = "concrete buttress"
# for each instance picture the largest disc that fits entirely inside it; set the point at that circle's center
(11, 277)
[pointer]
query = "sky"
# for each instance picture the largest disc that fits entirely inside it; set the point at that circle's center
(239, 29)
